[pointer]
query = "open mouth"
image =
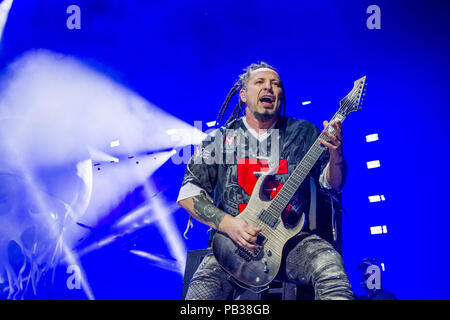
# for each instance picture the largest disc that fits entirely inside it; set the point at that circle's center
(267, 100)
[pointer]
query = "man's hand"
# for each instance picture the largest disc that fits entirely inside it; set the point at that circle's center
(236, 228)
(240, 231)
(337, 169)
(335, 144)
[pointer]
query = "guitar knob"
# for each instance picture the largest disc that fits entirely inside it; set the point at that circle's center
(269, 253)
(266, 270)
(264, 261)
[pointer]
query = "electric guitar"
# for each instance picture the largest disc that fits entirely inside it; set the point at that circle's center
(259, 267)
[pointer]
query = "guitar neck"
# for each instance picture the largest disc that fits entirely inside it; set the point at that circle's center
(301, 171)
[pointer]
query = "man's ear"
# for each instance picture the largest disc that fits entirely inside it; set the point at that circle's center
(243, 95)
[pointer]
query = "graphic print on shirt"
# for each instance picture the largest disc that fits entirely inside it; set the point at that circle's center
(249, 170)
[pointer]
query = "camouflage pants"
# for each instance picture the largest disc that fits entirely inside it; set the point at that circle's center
(311, 260)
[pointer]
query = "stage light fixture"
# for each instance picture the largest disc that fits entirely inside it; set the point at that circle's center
(376, 198)
(378, 230)
(373, 164)
(372, 137)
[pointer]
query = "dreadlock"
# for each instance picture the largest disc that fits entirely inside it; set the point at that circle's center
(242, 82)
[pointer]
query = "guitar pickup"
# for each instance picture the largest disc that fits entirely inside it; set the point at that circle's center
(268, 219)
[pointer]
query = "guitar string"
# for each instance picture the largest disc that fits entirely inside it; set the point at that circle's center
(312, 154)
(259, 222)
(293, 177)
(309, 152)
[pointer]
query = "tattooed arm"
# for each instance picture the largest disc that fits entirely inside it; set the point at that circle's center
(237, 229)
(203, 210)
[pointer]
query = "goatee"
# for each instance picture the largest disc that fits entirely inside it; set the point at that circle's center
(264, 117)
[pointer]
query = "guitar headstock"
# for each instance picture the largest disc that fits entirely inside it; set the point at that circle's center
(353, 101)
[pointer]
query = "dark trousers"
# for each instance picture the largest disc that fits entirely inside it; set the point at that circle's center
(310, 260)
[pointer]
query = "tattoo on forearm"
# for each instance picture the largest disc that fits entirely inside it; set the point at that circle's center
(207, 211)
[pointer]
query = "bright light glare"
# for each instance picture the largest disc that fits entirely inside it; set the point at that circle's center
(5, 6)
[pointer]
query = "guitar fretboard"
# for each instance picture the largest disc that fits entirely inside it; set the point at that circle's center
(301, 172)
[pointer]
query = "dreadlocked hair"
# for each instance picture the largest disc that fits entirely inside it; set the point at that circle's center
(242, 82)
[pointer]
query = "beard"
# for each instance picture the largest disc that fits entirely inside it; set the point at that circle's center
(266, 115)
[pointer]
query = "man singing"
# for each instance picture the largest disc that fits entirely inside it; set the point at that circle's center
(217, 187)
